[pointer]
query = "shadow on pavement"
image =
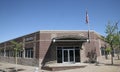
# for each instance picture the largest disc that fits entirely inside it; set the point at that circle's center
(12, 69)
(108, 64)
(113, 64)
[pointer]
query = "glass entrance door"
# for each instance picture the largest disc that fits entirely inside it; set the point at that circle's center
(65, 55)
(71, 55)
(68, 55)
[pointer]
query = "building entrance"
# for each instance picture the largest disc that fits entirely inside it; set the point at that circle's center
(68, 54)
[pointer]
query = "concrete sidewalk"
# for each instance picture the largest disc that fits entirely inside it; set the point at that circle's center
(8, 67)
(103, 66)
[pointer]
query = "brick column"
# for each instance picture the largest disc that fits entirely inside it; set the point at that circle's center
(23, 47)
(34, 47)
(5, 50)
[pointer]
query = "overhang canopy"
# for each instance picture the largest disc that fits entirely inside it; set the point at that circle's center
(70, 38)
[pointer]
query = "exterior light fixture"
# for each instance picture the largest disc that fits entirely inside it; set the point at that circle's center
(54, 40)
(88, 40)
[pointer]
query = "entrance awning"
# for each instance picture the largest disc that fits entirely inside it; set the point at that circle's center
(70, 38)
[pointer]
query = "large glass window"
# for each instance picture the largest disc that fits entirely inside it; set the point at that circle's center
(103, 51)
(2, 52)
(59, 56)
(7, 53)
(11, 53)
(19, 53)
(29, 52)
(77, 55)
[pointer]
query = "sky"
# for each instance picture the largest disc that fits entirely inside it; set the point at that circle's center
(21, 17)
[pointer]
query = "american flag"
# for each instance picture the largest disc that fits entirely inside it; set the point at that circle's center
(87, 18)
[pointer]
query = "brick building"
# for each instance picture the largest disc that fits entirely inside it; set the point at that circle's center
(48, 47)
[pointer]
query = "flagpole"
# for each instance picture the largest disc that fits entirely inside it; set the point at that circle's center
(88, 33)
(87, 22)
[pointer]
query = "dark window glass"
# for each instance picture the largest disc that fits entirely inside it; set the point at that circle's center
(77, 55)
(103, 51)
(29, 52)
(71, 53)
(59, 56)
(32, 54)
(2, 52)
(25, 52)
(65, 55)
(7, 53)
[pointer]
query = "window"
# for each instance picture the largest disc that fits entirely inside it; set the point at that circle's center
(103, 52)
(2, 52)
(59, 56)
(29, 39)
(77, 55)
(11, 53)
(7, 53)
(29, 52)
(19, 53)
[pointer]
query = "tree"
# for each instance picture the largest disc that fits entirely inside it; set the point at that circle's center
(107, 51)
(110, 38)
(16, 47)
(116, 44)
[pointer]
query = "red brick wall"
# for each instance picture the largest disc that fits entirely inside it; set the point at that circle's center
(43, 41)
(47, 36)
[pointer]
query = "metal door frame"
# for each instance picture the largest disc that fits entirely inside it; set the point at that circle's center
(68, 50)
